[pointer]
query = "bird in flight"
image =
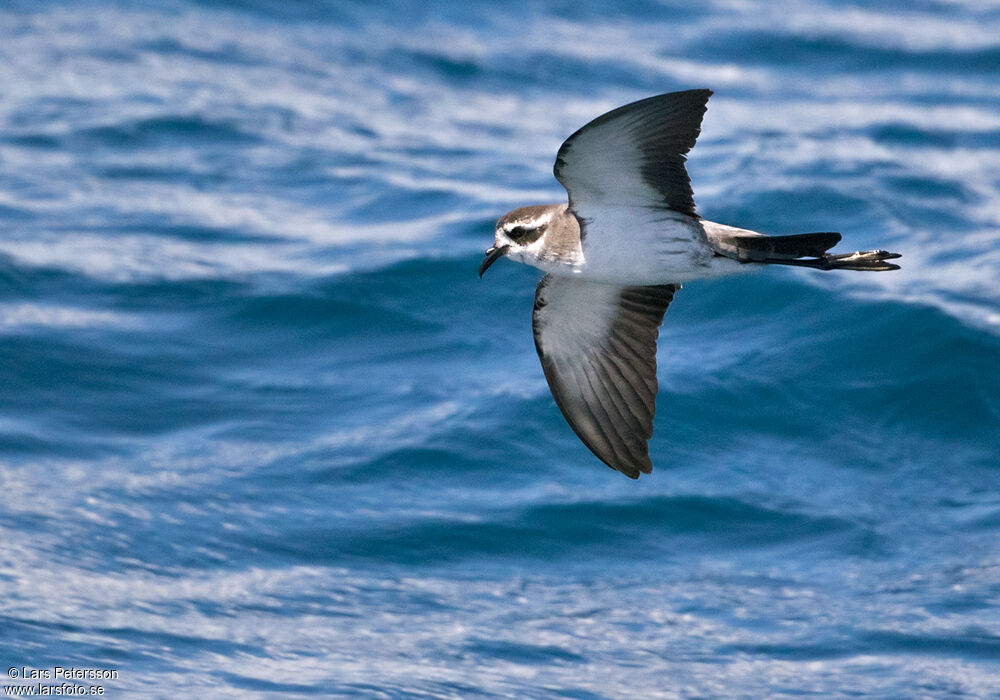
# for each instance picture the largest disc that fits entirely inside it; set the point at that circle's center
(614, 256)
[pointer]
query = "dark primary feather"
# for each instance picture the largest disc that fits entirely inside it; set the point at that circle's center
(605, 386)
(663, 128)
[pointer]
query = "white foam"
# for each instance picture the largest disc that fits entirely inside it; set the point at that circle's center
(27, 314)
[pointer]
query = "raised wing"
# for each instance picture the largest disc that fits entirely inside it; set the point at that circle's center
(634, 155)
(597, 344)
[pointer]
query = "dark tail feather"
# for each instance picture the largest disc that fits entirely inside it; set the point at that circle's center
(769, 248)
(808, 250)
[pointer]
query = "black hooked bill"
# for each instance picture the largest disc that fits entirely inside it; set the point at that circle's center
(492, 255)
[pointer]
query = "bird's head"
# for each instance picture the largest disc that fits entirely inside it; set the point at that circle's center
(518, 234)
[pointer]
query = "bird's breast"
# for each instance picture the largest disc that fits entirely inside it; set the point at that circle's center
(638, 246)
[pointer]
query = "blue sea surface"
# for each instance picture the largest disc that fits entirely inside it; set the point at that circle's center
(263, 432)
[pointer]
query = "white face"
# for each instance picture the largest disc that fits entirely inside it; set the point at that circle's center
(521, 234)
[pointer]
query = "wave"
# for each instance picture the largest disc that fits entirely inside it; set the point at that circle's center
(257, 406)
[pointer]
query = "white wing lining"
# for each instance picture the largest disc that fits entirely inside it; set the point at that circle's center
(597, 345)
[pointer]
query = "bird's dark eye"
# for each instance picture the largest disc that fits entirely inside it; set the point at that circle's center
(526, 234)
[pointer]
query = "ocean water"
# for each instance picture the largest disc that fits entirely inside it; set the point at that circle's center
(263, 432)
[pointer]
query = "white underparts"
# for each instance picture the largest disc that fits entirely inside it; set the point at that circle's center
(638, 246)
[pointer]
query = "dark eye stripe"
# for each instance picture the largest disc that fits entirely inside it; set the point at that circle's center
(523, 234)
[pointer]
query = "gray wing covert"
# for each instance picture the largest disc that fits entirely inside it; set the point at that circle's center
(634, 155)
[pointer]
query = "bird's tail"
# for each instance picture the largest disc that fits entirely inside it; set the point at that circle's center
(807, 250)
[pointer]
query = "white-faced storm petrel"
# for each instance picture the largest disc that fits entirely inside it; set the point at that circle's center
(615, 255)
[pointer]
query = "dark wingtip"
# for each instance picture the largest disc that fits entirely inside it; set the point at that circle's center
(632, 471)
